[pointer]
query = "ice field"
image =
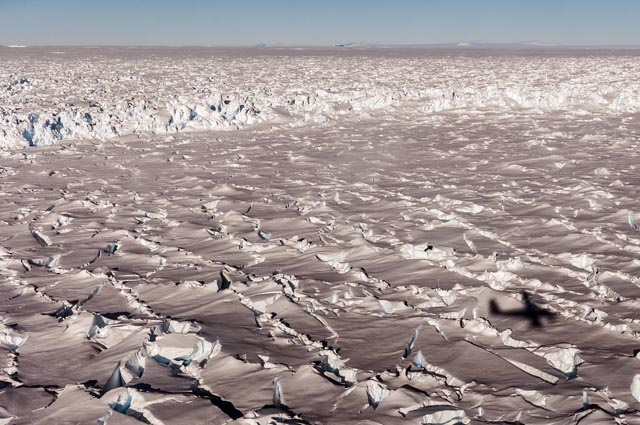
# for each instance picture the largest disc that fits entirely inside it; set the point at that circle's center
(316, 236)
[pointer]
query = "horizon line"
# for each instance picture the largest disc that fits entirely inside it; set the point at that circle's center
(352, 45)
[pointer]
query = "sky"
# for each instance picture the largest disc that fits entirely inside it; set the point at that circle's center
(319, 22)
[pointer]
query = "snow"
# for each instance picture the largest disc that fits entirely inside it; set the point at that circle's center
(317, 236)
(101, 94)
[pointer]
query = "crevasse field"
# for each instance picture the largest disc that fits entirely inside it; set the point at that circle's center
(315, 236)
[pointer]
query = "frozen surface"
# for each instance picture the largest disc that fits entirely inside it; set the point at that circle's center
(332, 261)
(48, 95)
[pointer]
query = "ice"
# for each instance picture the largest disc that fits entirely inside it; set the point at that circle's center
(49, 262)
(632, 222)
(336, 261)
(412, 341)
(253, 236)
(174, 326)
(277, 394)
(42, 239)
(182, 349)
(159, 106)
(376, 393)
(113, 248)
(445, 415)
(211, 205)
(333, 364)
(563, 357)
(105, 419)
(418, 359)
(635, 387)
(136, 363)
(123, 403)
(119, 378)
(10, 338)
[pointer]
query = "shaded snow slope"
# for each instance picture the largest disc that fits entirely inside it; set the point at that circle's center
(102, 93)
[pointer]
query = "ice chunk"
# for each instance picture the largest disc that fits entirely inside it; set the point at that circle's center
(445, 415)
(336, 261)
(349, 376)
(155, 215)
(98, 327)
(534, 397)
(48, 262)
(65, 310)
(224, 282)
(277, 394)
(136, 363)
(10, 338)
(385, 306)
(103, 420)
(119, 378)
(211, 205)
(563, 357)
(123, 403)
(183, 349)
(470, 244)
(41, 238)
(480, 326)
(448, 296)
(376, 393)
(333, 364)
(217, 230)
(412, 341)
(534, 371)
(149, 244)
(337, 257)
(418, 359)
(635, 386)
(175, 326)
(632, 223)
(112, 248)
(582, 261)
(259, 303)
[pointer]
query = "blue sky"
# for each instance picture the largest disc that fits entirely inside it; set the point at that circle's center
(322, 22)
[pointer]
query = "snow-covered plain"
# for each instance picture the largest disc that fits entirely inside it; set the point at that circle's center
(332, 259)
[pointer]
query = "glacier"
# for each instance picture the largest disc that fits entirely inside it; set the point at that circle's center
(317, 235)
(99, 95)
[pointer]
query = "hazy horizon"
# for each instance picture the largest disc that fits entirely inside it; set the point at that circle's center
(285, 22)
(461, 44)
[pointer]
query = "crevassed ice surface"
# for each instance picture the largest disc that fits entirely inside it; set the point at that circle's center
(50, 95)
(333, 258)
